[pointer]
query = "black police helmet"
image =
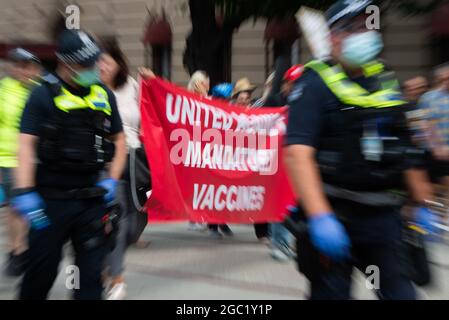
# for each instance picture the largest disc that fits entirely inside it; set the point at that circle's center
(75, 46)
(22, 55)
(346, 9)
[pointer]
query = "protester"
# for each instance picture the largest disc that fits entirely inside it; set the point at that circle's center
(242, 93)
(221, 91)
(23, 70)
(114, 73)
(435, 109)
(280, 83)
(199, 83)
(281, 239)
(276, 90)
(2, 194)
(414, 88)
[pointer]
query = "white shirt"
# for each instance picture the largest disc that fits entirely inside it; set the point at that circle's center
(128, 106)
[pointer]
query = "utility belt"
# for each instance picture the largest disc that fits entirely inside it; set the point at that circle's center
(82, 193)
(309, 260)
(110, 225)
(372, 199)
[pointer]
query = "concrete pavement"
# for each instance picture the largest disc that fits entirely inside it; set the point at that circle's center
(182, 264)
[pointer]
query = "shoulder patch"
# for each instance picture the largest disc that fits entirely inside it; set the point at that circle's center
(52, 83)
(296, 92)
(50, 78)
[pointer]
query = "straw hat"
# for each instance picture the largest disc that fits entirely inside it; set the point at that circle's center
(243, 85)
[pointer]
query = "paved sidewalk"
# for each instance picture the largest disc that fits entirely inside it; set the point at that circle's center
(182, 264)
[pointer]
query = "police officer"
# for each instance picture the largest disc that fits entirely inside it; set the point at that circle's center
(71, 126)
(23, 69)
(347, 149)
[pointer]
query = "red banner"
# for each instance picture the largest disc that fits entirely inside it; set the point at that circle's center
(211, 161)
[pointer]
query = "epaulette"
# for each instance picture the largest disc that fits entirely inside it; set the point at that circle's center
(52, 82)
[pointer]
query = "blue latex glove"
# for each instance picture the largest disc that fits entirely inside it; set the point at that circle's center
(424, 218)
(2, 195)
(329, 236)
(31, 206)
(111, 187)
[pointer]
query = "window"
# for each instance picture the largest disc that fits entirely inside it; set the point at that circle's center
(161, 60)
(275, 48)
(281, 38)
(440, 32)
(440, 49)
(157, 40)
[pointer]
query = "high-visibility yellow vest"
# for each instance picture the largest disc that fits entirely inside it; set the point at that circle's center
(351, 93)
(97, 100)
(13, 97)
(345, 163)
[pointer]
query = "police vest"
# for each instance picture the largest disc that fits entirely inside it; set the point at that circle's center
(76, 136)
(13, 96)
(370, 151)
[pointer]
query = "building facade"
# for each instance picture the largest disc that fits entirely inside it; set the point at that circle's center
(409, 49)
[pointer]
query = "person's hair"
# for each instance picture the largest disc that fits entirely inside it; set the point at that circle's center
(418, 77)
(111, 47)
(197, 77)
(439, 70)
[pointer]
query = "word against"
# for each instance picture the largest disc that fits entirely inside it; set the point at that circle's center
(230, 141)
(372, 281)
(72, 21)
(72, 282)
(225, 310)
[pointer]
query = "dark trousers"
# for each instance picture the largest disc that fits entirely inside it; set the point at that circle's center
(261, 230)
(375, 234)
(80, 222)
(213, 227)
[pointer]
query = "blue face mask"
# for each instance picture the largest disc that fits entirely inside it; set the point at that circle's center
(361, 48)
(87, 78)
